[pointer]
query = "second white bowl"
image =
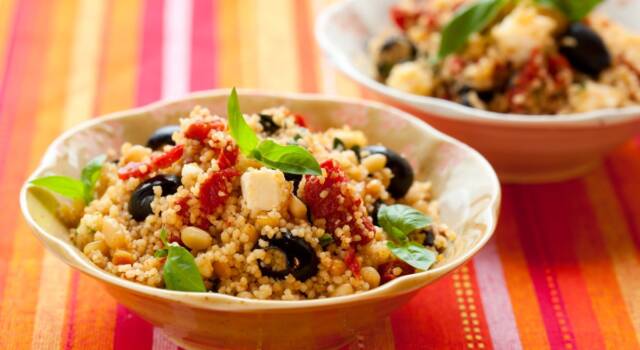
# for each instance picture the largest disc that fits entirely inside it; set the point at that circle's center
(522, 148)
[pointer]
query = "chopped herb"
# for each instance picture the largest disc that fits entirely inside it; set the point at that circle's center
(467, 21)
(338, 144)
(325, 240)
(575, 10)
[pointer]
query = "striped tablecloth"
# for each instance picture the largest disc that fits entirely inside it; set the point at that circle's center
(562, 272)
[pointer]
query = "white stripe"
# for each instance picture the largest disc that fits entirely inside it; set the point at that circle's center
(161, 342)
(495, 299)
(176, 48)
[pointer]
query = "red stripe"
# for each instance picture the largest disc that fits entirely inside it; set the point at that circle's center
(549, 239)
(150, 73)
(623, 167)
(540, 270)
(306, 47)
(203, 45)
(433, 310)
(132, 332)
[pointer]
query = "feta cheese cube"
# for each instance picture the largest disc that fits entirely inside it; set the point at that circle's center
(264, 189)
(522, 31)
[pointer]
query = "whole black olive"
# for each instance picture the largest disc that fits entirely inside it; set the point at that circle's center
(585, 49)
(140, 202)
(467, 93)
(402, 172)
(162, 136)
(394, 50)
(374, 213)
(268, 125)
(301, 259)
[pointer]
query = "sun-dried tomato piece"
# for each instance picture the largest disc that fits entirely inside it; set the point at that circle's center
(386, 270)
(327, 199)
(200, 130)
(134, 169)
(167, 158)
(403, 18)
(299, 120)
(215, 190)
(352, 262)
(228, 157)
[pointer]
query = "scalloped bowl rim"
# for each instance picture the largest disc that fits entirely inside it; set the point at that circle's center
(214, 301)
(455, 110)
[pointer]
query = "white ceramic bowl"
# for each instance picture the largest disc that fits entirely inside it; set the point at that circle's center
(522, 148)
(463, 181)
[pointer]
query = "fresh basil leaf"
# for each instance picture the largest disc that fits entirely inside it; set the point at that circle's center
(575, 10)
(180, 271)
(241, 132)
(325, 240)
(399, 220)
(63, 185)
(90, 175)
(468, 20)
(291, 159)
(413, 254)
(161, 253)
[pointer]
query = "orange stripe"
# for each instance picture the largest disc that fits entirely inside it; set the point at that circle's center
(19, 299)
(307, 64)
(618, 243)
(611, 314)
(246, 34)
(53, 285)
(516, 274)
(229, 46)
(276, 58)
(7, 14)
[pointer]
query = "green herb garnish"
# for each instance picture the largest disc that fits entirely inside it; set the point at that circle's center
(325, 240)
(291, 159)
(575, 10)
(468, 20)
(180, 271)
(338, 144)
(398, 221)
(72, 188)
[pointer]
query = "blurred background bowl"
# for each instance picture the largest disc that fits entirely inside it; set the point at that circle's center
(522, 148)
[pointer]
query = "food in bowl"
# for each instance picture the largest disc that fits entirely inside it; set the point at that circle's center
(255, 206)
(524, 57)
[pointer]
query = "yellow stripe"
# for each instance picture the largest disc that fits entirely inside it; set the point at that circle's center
(119, 70)
(277, 57)
(7, 10)
(618, 243)
(54, 277)
(229, 45)
(247, 31)
(84, 61)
